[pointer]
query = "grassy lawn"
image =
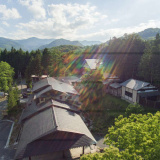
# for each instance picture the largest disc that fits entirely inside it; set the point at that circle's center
(103, 111)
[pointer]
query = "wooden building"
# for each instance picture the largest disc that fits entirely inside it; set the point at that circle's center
(115, 89)
(52, 128)
(51, 88)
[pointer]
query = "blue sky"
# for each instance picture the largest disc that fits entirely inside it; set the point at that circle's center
(76, 19)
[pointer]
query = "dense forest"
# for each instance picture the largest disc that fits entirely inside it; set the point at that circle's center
(127, 57)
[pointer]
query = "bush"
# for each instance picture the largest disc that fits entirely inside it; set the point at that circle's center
(134, 108)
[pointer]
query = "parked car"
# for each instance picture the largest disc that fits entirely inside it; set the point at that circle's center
(25, 95)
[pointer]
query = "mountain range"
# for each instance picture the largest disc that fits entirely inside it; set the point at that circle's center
(36, 43)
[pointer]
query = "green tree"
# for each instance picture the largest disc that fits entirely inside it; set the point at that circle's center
(46, 60)
(6, 76)
(34, 67)
(96, 75)
(156, 46)
(139, 135)
(134, 108)
(11, 99)
(16, 94)
(133, 138)
(146, 66)
(37, 69)
(112, 153)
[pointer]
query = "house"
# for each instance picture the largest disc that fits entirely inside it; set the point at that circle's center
(33, 108)
(52, 130)
(108, 80)
(36, 78)
(133, 90)
(92, 64)
(72, 80)
(51, 88)
(115, 89)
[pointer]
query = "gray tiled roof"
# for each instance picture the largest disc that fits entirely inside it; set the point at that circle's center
(34, 109)
(92, 63)
(69, 121)
(134, 84)
(69, 79)
(40, 84)
(115, 85)
(38, 94)
(53, 120)
(35, 127)
(51, 83)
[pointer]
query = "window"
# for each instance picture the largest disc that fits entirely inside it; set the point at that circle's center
(128, 94)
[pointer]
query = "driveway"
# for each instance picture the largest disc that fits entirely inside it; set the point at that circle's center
(5, 128)
(100, 141)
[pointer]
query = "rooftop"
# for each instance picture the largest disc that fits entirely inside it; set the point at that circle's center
(134, 84)
(33, 109)
(115, 85)
(53, 129)
(51, 83)
(92, 63)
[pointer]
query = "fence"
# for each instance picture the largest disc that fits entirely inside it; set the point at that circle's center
(148, 103)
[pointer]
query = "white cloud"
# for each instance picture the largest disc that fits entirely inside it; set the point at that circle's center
(5, 23)
(135, 29)
(64, 21)
(35, 7)
(106, 34)
(75, 16)
(6, 13)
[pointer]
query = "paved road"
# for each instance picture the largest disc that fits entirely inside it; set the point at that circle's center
(100, 140)
(5, 153)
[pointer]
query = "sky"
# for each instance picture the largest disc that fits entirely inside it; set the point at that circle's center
(94, 20)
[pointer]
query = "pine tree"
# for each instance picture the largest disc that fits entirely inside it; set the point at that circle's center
(46, 60)
(16, 94)
(146, 66)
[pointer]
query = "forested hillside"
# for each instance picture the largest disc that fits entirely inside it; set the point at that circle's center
(127, 57)
(149, 33)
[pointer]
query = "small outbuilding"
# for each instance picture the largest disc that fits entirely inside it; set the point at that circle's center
(133, 90)
(115, 89)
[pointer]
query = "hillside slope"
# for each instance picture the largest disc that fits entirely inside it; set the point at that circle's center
(149, 33)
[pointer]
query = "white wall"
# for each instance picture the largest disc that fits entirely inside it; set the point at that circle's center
(134, 94)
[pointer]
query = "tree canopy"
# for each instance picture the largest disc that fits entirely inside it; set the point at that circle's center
(6, 76)
(136, 137)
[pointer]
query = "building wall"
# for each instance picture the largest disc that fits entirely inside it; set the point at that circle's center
(134, 94)
(69, 154)
(123, 91)
(71, 97)
(115, 91)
